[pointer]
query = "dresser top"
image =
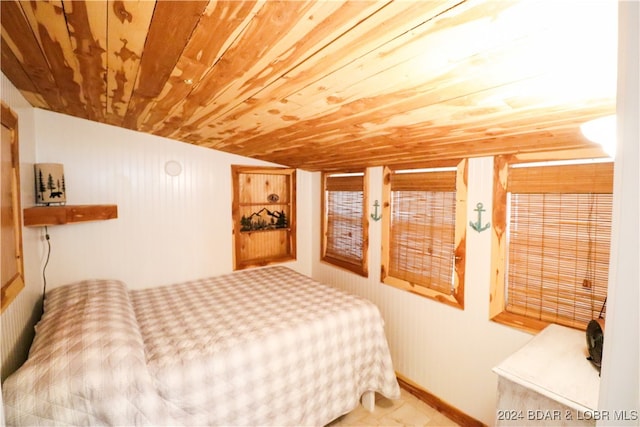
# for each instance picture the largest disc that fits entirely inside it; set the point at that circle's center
(554, 363)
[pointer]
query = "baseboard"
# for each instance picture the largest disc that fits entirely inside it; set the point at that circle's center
(444, 408)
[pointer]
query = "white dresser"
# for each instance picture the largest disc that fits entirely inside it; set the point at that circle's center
(549, 382)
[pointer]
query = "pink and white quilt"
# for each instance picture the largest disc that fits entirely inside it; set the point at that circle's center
(257, 347)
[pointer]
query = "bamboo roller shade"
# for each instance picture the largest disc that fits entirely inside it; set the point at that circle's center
(424, 181)
(344, 183)
(345, 208)
(559, 243)
(344, 226)
(422, 238)
(580, 178)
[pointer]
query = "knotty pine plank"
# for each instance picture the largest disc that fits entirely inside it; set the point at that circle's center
(28, 52)
(307, 34)
(391, 98)
(346, 117)
(460, 235)
(221, 24)
(499, 128)
(171, 27)
(303, 101)
(49, 26)
(498, 235)
(323, 54)
(250, 53)
(87, 25)
(12, 68)
(128, 23)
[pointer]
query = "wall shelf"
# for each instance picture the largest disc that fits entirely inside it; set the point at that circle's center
(266, 230)
(58, 215)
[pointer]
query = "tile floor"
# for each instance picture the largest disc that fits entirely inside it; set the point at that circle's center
(408, 411)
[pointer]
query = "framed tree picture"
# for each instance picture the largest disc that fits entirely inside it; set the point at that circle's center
(12, 272)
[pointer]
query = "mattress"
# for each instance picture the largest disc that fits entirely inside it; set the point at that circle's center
(264, 346)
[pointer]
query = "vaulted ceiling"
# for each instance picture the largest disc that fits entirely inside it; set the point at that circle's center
(324, 85)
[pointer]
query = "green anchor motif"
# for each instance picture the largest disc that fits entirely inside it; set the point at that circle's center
(478, 225)
(375, 215)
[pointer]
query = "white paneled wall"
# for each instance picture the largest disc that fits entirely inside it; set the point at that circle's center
(169, 228)
(620, 386)
(447, 351)
(18, 319)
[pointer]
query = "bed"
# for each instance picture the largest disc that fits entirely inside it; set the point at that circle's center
(265, 346)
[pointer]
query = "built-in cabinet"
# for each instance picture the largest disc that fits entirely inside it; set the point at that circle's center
(263, 212)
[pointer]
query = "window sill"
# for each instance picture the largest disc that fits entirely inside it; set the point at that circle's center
(525, 324)
(422, 291)
(354, 268)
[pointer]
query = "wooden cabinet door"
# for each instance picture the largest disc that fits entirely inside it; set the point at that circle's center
(11, 267)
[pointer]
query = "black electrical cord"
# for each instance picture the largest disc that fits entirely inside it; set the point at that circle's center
(44, 269)
(604, 304)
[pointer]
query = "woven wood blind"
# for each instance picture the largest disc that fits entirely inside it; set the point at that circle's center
(578, 178)
(344, 210)
(422, 235)
(558, 238)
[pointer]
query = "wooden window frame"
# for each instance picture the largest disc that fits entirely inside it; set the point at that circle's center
(11, 212)
(456, 297)
(361, 267)
(499, 243)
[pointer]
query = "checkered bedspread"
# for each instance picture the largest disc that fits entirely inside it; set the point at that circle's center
(258, 347)
(86, 365)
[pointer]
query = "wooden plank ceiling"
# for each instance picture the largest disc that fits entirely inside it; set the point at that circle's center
(324, 85)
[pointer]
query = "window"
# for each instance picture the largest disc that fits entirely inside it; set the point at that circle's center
(557, 232)
(345, 223)
(424, 232)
